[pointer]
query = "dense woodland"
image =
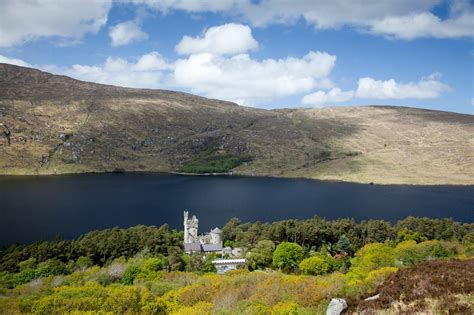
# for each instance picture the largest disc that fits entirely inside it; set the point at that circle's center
(103, 246)
(294, 266)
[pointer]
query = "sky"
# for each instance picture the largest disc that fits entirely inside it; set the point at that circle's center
(267, 54)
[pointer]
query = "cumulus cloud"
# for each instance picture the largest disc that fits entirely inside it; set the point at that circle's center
(404, 19)
(322, 98)
(427, 88)
(224, 39)
(247, 81)
(22, 21)
(125, 33)
(242, 79)
(13, 61)
(425, 25)
(148, 71)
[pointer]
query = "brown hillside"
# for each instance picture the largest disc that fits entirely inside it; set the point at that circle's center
(54, 124)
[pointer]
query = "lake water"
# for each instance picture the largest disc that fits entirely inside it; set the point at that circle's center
(40, 207)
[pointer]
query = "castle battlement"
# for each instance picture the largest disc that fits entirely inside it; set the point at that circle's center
(193, 242)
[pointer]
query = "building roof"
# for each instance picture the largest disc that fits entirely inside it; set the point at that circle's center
(198, 247)
(216, 231)
(229, 261)
(211, 247)
(192, 247)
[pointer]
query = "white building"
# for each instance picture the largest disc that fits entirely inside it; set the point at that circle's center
(224, 265)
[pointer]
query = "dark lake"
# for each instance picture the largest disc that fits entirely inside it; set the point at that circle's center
(35, 208)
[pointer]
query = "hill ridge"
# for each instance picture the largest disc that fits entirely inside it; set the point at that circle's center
(53, 124)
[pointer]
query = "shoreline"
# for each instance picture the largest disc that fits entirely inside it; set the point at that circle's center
(234, 174)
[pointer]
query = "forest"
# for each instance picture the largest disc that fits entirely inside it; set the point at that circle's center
(294, 267)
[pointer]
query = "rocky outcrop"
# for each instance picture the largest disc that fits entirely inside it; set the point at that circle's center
(5, 135)
(336, 307)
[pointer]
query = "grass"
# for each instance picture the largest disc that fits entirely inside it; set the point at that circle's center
(214, 163)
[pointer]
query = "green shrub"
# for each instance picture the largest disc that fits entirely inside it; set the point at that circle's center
(27, 264)
(468, 238)
(261, 255)
(24, 277)
(83, 263)
(315, 265)
(51, 267)
(409, 235)
(26, 304)
(7, 280)
(438, 249)
(373, 256)
(104, 279)
(287, 256)
(344, 245)
(370, 257)
(229, 243)
(130, 274)
(409, 253)
(152, 265)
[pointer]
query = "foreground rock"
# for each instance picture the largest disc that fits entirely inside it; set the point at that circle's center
(336, 307)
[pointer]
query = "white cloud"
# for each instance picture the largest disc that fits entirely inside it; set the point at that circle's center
(224, 39)
(125, 33)
(247, 81)
(404, 19)
(189, 5)
(427, 88)
(328, 14)
(148, 71)
(425, 25)
(321, 98)
(14, 61)
(242, 79)
(472, 101)
(22, 21)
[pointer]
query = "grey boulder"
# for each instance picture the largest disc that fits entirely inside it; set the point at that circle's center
(336, 307)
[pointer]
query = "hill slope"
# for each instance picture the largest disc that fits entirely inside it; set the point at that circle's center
(54, 124)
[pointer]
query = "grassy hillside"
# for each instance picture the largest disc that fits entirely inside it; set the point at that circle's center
(54, 124)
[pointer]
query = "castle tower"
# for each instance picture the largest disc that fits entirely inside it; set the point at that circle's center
(216, 236)
(190, 228)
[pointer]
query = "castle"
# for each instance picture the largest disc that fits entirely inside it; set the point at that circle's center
(204, 243)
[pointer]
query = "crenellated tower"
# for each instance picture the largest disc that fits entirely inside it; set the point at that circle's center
(190, 229)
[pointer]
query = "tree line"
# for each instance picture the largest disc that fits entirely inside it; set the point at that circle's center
(342, 235)
(315, 232)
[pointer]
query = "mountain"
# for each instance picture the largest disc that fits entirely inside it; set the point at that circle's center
(52, 124)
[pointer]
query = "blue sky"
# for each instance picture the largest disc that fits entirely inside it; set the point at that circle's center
(269, 54)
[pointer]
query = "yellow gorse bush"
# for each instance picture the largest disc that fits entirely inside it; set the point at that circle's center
(237, 292)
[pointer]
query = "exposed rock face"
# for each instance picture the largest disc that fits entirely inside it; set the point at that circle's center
(52, 123)
(336, 307)
(5, 134)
